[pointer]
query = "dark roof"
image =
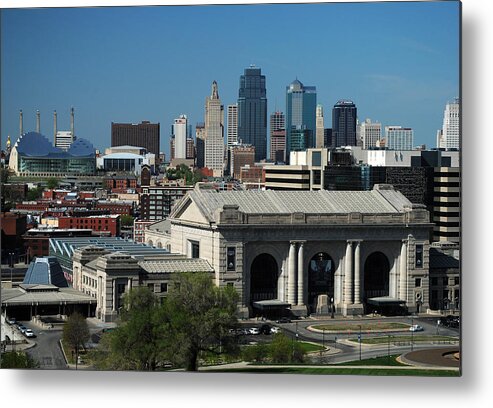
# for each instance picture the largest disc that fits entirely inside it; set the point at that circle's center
(81, 148)
(45, 271)
(440, 260)
(34, 144)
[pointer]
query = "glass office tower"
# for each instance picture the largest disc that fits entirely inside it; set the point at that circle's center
(344, 116)
(301, 105)
(252, 111)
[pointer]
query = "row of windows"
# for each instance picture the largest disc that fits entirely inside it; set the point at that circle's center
(447, 224)
(445, 281)
(86, 280)
(163, 287)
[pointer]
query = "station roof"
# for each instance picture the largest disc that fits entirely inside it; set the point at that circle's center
(45, 270)
(176, 265)
(67, 245)
(382, 200)
(43, 295)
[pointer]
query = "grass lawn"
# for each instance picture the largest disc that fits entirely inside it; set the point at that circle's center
(398, 339)
(352, 327)
(310, 347)
(377, 361)
(346, 371)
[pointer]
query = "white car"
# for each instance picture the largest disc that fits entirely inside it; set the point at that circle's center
(415, 328)
(275, 330)
(254, 330)
(29, 333)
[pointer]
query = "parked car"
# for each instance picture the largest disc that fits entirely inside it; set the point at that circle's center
(11, 320)
(415, 328)
(29, 333)
(22, 328)
(254, 330)
(451, 321)
(275, 330)
(284, 320)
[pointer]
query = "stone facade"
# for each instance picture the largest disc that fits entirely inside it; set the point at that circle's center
(107, 276)
(268, 223)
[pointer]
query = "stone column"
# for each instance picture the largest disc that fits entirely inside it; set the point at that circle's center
(113, 306)
(301, 271)
(357, 273)
(292, 273)
(403, 271)
(348, 273)
(129, 284)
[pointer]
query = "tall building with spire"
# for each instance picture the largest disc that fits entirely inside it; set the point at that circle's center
(214, 133)
(449, 136)
(301, 105)
(252, 111)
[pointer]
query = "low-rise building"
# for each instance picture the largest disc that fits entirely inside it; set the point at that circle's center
(107, 276)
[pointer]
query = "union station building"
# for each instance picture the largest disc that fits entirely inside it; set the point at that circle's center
(304, 252)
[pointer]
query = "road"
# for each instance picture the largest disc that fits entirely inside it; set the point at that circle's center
(350, 352)
(47, 350)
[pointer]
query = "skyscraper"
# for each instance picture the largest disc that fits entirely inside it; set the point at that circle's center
(145, 134)
(214, 132)
(252, 111)
(370, 132)
(449, 136)
(319, 132)
(232, 130)
(180, 127)
(344, 116)
(301, 104)
(399, 138)
(278, 137)
(200, 141)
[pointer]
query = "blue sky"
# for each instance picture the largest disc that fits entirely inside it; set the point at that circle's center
(399, 62)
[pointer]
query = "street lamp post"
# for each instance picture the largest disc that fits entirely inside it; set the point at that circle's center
(359, 340)
(11, 264)
(412, 332)
(331, 307)
(323, 338)
(388, 347)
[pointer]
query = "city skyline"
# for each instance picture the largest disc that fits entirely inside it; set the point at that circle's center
(397, 71)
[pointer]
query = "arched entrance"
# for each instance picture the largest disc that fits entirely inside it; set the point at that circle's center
(320, 278)
(376, 276)
(264, 274)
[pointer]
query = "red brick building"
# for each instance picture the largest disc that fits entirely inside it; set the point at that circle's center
(115, 208)
(252, 174)
(13, 227)
(120, 184)
(108, 225)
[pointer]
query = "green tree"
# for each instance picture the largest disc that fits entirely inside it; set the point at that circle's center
(4, 175)
(18, 359)
(257, 353)
(52, 183)
(199, 316)
(34, 193)
(76, 333)
(138, 343)
(285, 350)
(126, 220)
